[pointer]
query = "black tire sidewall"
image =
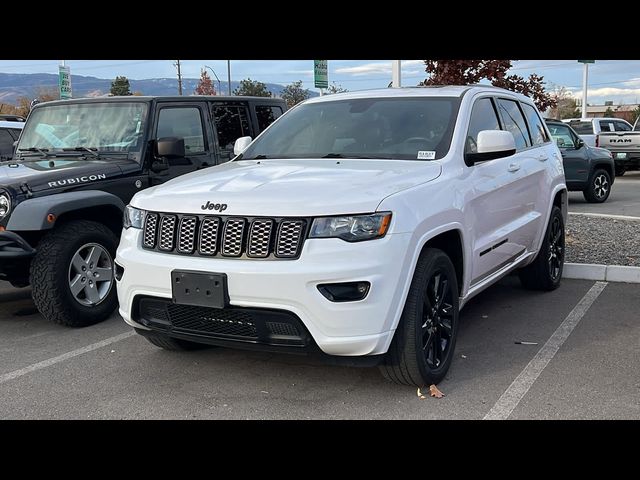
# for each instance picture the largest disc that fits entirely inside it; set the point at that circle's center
(556, 212)
(590, 193)
(437, 260)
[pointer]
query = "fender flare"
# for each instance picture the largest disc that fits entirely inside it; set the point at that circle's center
(31, 214)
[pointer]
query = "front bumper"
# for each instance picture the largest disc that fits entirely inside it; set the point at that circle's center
(357, 328)
(15, 255)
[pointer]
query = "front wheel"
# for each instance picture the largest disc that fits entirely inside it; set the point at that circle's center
(72, 274)
(545, 272)
(599, 187)
(422, 347)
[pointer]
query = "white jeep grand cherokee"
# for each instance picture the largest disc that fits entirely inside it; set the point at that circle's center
(356, 225)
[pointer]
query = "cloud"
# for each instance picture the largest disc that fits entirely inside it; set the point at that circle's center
(300, 72)
(379, 68)
(615, 94)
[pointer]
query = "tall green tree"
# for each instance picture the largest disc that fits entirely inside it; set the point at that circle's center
(205, 85)
(468, 72)
(120, 86)
(252, 88)
(294, 93)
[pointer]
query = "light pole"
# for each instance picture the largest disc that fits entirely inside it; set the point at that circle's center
(212, 70)
(229, 76)
(585, 82)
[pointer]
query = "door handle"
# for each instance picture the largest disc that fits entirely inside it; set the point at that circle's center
(543, 158)
(514, 167)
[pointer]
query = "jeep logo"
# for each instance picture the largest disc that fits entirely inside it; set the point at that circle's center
(220, 207)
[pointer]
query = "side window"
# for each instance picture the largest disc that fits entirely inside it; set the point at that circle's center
(266, 115)
(621, 126)
(514, 122)
(182, 122)
(561, 134)
(536, 129)
(232, 122)
(6, 144)
(606, 126)
(14, 132)
(483, 117)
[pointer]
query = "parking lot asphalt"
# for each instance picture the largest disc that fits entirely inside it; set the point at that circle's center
(104, 372)
(623, 200)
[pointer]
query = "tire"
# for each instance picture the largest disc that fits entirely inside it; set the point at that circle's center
(620, 171)
(53, 272)
(174, 344)
(406, 362)
(599, 186)
(545, 272)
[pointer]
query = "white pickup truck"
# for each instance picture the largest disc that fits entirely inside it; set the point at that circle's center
(614, 134)
(355, 226)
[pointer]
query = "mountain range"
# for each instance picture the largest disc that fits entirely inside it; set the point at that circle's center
(15, 85)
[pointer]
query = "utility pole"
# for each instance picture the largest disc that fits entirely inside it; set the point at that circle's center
(585, 81)
(395, 74)
(229, 76)
(177, 65)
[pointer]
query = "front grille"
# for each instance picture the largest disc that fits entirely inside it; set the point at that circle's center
(228, 237)
(266, 326)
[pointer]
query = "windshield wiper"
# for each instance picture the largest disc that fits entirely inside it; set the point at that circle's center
(357, 156)
(92, 151)
(42, 151)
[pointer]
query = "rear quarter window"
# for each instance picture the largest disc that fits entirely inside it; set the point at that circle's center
(582, 128)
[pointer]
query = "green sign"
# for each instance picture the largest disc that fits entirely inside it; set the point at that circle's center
(586, 61)
(64, 81)
(320, 73)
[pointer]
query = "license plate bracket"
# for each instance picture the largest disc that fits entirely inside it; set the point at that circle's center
(200, 289)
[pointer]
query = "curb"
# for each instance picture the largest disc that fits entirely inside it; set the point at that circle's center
(605, 215)
(607, 273)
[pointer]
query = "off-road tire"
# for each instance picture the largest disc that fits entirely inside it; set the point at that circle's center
(599, 187)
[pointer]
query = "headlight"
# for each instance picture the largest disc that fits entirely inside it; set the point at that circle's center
(133, 217)
(5, 205)
(352, 228)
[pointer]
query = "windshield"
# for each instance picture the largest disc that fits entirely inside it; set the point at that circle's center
(390, 128)
(113, 127)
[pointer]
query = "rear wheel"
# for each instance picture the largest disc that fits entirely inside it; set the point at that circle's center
(422, 347)
(546, 270)
(599, 186)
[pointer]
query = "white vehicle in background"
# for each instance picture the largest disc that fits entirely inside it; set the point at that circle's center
(9, 133)
(357, 225)
(612, 134)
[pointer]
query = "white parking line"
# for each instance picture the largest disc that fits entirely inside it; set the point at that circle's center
(607, 215)
(65, 356)
(521, 385)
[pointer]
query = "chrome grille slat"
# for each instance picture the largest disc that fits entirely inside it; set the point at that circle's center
(232, 237)
(208, 238)
(289, 235)
(167, 232)
(256, 238)
(150, 226)
(260, 238)
(187, 234)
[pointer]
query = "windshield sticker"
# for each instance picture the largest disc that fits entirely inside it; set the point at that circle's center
(71, 181)
(426, 154)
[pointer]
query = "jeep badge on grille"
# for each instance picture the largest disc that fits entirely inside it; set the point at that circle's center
(220, 207)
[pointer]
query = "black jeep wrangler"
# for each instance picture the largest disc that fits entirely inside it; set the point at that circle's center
(79, 162)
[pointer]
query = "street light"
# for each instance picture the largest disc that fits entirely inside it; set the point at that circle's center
(213, 71)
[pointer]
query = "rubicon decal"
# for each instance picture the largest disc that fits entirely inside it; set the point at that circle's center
(85, 179)
(220, 207)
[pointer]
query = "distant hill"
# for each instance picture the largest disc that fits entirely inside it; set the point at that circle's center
(14, 85)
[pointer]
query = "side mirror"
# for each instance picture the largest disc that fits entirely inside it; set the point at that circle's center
(491, 144)
(241, 144)
(170, 147)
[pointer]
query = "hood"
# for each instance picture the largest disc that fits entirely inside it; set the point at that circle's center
(51, 173)
(597, 152)
(303, 187)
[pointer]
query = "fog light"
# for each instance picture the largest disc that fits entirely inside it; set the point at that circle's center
(345, 292)
(118, 271)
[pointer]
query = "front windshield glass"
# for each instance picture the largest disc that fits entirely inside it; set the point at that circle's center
(418, 128)
(113, 127)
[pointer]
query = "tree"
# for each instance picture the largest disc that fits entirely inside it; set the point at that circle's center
(294, 93)
(566, 104)
(335, 88)
(252, 88)
(205, 85)
(608, 112)
(467, 72)
(120, 86)
(41, 94)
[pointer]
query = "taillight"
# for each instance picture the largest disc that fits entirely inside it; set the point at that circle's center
(597, 140)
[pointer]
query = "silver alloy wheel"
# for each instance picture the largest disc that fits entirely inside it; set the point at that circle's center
(91, 274)
(600, 186)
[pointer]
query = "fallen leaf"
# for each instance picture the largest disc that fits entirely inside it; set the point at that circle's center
(420, 395)
(434, 392)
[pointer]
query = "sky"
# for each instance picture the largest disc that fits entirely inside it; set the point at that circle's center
(614, 80)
